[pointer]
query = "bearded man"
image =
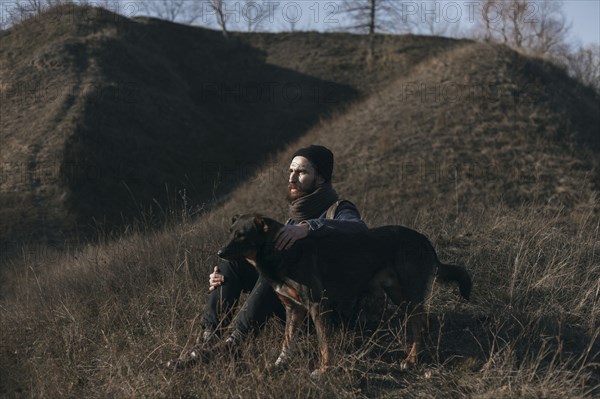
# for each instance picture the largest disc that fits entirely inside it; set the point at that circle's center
(315, 210)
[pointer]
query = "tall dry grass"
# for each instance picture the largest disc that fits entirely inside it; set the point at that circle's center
(100, 321)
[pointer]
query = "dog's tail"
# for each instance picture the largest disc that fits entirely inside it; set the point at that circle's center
(450, 273)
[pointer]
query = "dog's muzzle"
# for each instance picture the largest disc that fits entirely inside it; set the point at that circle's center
(227, 254)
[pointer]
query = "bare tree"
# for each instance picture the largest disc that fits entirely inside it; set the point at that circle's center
(540, 28)
(18, 11)
(288, 25)
(584, 65)
(551, 30)
(221, 13)
(371, 16)
(291, 15)
(256, 14)
(535, 26)
(430, 17)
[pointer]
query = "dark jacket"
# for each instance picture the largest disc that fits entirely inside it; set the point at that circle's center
(346, 220)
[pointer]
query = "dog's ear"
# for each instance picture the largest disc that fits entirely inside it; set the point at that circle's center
(260, 224)
(234, 218)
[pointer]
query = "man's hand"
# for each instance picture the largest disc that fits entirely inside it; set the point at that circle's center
(216, 279)
(288, 235)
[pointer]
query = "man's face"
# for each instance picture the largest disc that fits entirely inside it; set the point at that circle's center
(303, 180)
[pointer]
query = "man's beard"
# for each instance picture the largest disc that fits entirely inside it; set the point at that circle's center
(299, 193)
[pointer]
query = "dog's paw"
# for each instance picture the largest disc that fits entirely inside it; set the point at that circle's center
(407, 364)
(180, 364)
(273, 368)
(284, 358)
(281, 364)
(316, 374)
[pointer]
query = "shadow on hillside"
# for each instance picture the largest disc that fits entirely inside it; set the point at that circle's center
(465, 342)
(180, 112)
(565, 97)
(458, 337)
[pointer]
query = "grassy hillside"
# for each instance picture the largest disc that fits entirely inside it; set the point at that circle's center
(492, 154)
(105, 118)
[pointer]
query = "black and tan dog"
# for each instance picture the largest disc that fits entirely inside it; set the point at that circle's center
(316, 272)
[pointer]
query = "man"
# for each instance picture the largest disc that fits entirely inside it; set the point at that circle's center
(311, 198)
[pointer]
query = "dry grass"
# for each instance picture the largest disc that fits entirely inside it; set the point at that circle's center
(100, 321)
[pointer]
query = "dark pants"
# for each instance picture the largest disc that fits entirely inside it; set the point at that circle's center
(262, 302)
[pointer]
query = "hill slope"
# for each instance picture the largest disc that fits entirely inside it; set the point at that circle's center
(477, 127)
(105, 119)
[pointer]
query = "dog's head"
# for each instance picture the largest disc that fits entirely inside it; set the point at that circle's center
(248, 234)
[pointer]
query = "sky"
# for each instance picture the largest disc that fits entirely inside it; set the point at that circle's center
(585, 17)
(323, 15)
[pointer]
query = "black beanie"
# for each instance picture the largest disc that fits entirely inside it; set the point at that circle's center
(320, 157)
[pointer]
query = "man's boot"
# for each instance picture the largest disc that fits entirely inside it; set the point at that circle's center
(233, 344)
(203, 346)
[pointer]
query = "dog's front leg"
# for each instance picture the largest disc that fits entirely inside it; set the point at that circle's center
(294, 316)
